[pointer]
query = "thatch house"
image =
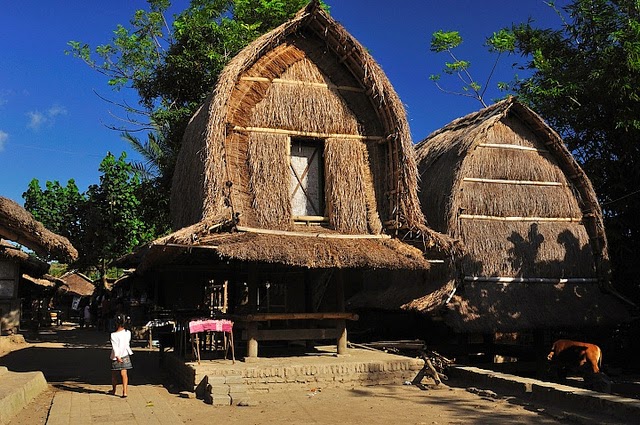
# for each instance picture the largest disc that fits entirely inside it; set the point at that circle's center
(503, 182)
(296, 174)
(19, 226)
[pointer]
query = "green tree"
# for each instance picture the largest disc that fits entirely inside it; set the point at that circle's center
(113, 214)
(446, 42)
(104, 223)
(173, 65)
(58, 207)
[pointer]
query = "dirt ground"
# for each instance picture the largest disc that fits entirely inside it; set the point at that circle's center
(73, 360)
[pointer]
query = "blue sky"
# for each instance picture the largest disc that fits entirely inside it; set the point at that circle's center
(53, 125)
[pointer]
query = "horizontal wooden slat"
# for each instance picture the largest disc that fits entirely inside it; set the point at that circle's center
(309, 234)
(305, 133)
(514, 182)
(290, 334)
(539, 219)
(501, 279)
(263, 317)
(303, 83)
(508, 146)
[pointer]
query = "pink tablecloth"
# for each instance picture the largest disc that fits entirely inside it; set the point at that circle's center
(196, 326)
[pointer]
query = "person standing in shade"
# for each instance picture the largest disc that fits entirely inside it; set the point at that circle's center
(120, 352)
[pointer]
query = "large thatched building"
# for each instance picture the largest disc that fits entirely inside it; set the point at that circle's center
(503, 182)
(19, 226)
(295, 175)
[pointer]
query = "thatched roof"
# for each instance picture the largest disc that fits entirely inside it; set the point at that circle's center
(18, 225)
(76, 283)
(503, 182)
(308, 52)
(28, 264)
(46, 281)
(302, 247)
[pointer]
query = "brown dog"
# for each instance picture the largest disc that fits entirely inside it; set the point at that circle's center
(575, 355)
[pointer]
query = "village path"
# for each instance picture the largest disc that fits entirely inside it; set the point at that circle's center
(75, 364)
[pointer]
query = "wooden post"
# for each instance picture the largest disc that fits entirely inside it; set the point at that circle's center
(341, 324)
(252, 342)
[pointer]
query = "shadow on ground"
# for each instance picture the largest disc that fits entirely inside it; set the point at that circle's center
(79, 355)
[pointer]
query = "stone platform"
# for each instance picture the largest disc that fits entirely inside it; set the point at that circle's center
(320, 368)
(17, 390)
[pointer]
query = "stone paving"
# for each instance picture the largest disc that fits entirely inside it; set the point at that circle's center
(145, 405)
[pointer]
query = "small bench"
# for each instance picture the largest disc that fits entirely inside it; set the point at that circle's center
(253, 334)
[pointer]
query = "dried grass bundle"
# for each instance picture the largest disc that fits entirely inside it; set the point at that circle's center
(269, 180)
(347, 168)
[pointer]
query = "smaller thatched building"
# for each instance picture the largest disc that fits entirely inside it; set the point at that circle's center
(503, 182)
(19, 226)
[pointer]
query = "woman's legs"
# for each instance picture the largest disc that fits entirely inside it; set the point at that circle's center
(114, 381)
(125, 381)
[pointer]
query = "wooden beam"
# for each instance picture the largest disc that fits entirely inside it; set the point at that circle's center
(304, 133)
(510, 146)
(303, 83)
(539, 219)
(309, 234)
(514, 182)
(502, 279)
(288, 335)
(265, 317)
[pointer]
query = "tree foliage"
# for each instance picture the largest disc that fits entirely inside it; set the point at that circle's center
(447, 41)
(105, 222)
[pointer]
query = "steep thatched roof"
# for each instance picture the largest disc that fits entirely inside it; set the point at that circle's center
(18, 225)
(76, 283)
(536, 255)
(28, 263)
(206, 183)
(302, 247)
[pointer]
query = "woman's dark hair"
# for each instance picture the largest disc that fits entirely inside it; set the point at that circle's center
(121, 320)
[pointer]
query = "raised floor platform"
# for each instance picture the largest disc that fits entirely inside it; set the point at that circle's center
(320, 368)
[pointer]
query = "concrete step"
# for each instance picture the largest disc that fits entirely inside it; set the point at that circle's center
(17, 390)
(548, 393)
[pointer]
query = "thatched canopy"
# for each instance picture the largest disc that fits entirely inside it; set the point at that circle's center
(303, 247)
(504, 183)
(18, 225)
(76, 283)
(28, 264)
(308, 80)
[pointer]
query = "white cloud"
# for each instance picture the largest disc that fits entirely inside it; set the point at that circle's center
(37, 119)
(3, 139)
(56, 110)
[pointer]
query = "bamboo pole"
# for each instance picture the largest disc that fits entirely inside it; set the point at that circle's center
(540, 219)
(303, 83)
(304, 133)
(514, 182)
(308, 234)
(502, 279)
(510, 146)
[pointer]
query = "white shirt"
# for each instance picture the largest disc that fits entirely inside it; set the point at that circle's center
(120, 344)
